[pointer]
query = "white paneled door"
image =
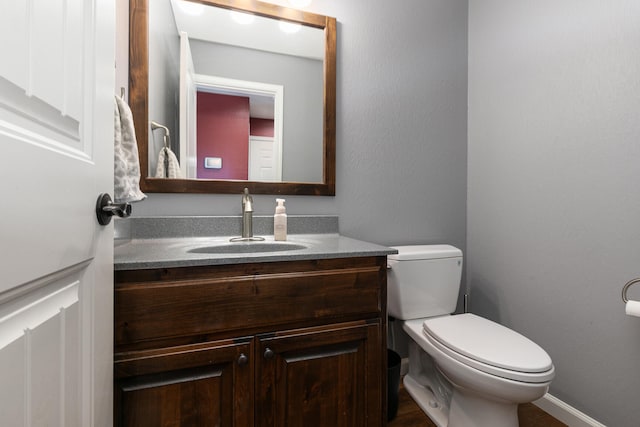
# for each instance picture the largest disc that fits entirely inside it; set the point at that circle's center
(56, 262)
(262, 159)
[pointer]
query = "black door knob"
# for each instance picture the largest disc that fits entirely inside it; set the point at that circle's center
(105, 209)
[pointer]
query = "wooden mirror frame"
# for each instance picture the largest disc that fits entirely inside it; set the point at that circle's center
(139, 103)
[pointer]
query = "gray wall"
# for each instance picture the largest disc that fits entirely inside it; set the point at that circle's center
(553, 199)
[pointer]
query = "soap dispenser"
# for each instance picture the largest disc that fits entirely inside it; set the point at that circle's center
(280, 221)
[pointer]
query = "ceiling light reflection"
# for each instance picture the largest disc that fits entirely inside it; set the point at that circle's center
(289, 27)
(242, 18)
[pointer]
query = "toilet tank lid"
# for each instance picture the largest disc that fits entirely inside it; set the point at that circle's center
(417, 252)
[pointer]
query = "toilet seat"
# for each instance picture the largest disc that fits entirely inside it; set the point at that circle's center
(509, 355)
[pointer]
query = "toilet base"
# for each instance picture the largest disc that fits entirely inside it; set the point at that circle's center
(466, 410)
(425, 399)
(471, 410)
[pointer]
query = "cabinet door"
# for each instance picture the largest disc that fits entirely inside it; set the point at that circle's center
(201, 385)
(329, 376)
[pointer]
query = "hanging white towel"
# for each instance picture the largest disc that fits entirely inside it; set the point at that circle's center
(126, 162)
(168, 166)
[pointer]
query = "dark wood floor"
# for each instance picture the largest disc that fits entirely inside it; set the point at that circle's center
(410, 415)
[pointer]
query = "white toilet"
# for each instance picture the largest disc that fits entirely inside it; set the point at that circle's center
(464, 370)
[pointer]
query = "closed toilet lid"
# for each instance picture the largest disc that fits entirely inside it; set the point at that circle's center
(488, 343)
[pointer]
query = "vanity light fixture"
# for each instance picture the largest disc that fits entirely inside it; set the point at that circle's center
(300, 3)
(242, 18)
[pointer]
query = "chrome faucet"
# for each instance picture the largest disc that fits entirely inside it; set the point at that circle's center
(247, 215)
(247, 220)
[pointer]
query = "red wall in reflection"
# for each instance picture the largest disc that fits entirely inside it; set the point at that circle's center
(223, 131)
(262, 127)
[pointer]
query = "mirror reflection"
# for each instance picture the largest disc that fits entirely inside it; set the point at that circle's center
(236, 96)
(164, 92)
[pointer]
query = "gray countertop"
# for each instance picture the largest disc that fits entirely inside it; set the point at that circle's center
(137, 254)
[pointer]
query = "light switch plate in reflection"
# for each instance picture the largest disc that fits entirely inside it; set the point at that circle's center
(213, 162)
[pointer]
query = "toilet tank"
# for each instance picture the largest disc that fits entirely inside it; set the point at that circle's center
(423, 281)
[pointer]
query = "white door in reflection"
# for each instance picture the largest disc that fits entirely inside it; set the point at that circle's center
(188, 111)
(262, 160)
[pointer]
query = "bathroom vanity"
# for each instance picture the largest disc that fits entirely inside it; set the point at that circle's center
(296, 337)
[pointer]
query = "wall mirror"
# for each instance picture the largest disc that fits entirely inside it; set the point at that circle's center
(290, 94)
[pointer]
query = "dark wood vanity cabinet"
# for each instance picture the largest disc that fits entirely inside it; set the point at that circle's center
(197, 385)
(298, 343)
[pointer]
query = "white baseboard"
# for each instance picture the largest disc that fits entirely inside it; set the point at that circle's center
(565, 413)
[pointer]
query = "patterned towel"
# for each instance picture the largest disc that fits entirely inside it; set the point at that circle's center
(126, 163)
(168, 166)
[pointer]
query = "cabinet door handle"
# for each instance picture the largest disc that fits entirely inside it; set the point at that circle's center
(268, 353)
(243, 360)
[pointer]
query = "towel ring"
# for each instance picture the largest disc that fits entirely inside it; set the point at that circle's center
(626, 288)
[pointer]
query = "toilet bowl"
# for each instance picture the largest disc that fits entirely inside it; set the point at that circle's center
(485, 391)
(464, 370)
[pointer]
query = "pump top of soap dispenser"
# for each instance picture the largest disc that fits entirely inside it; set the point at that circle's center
(280, 209)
